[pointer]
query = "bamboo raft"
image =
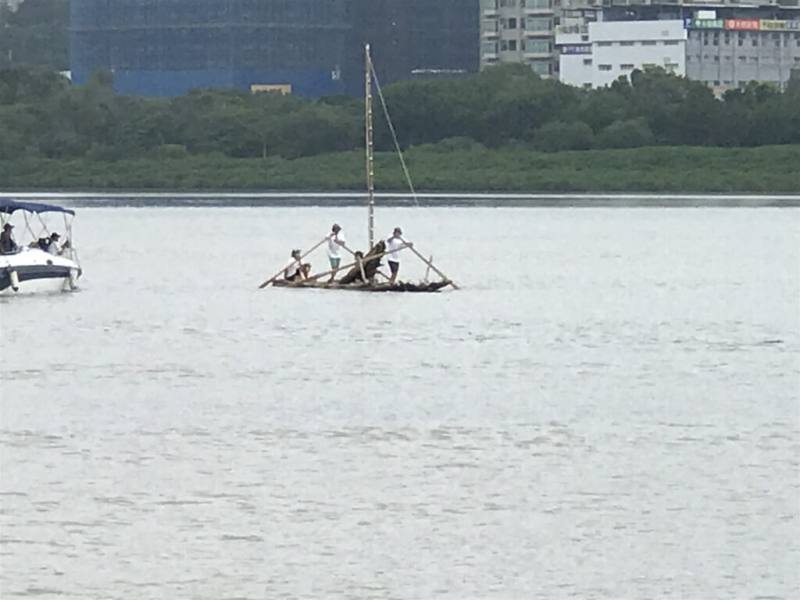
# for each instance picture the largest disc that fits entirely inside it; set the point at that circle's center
(362, 275)
(364, 271)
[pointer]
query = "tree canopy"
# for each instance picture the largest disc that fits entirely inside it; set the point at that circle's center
(43, 116)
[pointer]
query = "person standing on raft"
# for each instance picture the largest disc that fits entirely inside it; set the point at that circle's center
(393, 247)
(336, 242)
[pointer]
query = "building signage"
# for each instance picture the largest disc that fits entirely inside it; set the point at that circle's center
(576, 49)
(744, 24)
(778, 25)
(706, 23)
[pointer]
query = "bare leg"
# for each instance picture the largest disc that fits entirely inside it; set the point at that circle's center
(335, 267)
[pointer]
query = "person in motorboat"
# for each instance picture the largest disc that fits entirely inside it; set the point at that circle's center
(52, 246)
(393, 247)
(47, 244)
(336, 242)
(7, 243)
(296, 270)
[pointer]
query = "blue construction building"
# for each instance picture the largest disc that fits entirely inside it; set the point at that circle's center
(306, 47)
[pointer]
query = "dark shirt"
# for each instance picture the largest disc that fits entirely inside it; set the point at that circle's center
(7, 243)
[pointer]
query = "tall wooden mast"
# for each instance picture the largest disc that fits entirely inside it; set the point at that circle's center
(370, 149)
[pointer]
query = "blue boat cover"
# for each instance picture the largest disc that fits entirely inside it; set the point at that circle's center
(8, 206)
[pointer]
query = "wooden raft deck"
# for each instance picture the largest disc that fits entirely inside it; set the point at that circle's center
(400, 286)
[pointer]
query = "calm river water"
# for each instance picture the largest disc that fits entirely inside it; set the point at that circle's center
(608, 409)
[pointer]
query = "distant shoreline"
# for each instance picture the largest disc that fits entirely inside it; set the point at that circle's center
(388, 199)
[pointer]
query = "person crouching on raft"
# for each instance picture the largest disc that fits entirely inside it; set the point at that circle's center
(296, 270)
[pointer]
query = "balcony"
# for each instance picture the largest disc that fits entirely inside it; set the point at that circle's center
(491, 35)
(539, 12)
(537, 33)
(491, 13)
(533, 55)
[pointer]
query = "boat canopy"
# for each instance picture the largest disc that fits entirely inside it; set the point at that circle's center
(9, 206)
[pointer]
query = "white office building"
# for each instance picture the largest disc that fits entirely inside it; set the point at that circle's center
(599, 53)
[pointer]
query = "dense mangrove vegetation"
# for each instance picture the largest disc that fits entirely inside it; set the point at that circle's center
(504, 128)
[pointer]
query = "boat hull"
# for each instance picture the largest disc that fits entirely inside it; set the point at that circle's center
(399, 287)
(34, 271)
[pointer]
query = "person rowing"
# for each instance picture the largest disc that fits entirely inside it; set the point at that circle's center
(393, 247)
(336, 242)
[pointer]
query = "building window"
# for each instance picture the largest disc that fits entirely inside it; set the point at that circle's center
(539, 24)
(672, 43)
(587, 61)
(626, 43)
(511, 23)
(755, 41)
(541, 68)
(540, 46)
(648, 43)
(604, 43)
(604, 67)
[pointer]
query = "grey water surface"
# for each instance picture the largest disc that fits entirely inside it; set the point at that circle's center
(608, 409)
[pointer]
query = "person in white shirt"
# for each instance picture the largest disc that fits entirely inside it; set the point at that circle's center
(393, 247)
(296, 270)
(336, 242)
(52, 247)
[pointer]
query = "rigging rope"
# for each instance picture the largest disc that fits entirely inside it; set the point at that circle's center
(394, 135)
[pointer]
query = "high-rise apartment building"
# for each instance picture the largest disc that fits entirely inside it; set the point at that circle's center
(519, 31)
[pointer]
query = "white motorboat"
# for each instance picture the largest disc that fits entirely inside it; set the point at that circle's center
(41, 265)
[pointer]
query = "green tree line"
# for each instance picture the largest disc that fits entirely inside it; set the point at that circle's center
(43, 116)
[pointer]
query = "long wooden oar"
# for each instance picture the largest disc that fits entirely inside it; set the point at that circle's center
(431, 265)
(278, 274)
